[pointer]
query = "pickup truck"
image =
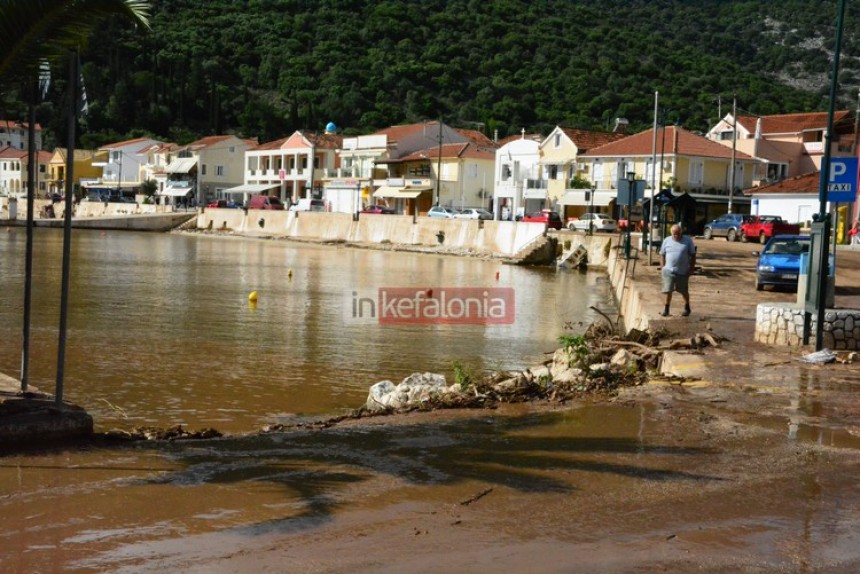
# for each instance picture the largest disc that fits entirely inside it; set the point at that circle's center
(763, 227)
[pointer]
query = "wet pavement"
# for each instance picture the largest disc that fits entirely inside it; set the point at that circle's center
(748, 469)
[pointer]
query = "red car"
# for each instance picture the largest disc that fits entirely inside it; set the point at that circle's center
(547, 216)
(381, 209)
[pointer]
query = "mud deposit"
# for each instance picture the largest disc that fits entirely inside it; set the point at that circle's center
(665, 478)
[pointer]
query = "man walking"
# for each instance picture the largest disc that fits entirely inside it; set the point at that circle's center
(678, 259)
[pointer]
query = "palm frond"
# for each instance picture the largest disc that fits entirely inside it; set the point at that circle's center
(32, 31)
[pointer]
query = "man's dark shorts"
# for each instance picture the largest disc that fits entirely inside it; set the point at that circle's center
(672, 282)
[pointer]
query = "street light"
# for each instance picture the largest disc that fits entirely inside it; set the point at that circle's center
(631, 182)
(591, 210)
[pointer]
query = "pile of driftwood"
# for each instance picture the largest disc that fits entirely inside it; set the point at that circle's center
(597, 363)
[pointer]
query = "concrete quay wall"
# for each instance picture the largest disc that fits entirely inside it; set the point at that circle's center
(499, 238)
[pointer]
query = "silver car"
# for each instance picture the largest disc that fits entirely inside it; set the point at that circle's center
(595, 221)
(440, 212)
(474, 213)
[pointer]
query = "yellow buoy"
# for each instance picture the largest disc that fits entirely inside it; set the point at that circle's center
(252, 297)
(289, 273)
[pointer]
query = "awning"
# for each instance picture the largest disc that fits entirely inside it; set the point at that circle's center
(577, 197)
(534, 194)
(181, 165)
(175, 191)
(396, 193)
(251, 188)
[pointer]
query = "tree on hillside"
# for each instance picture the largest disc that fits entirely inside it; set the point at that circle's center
(35, 34)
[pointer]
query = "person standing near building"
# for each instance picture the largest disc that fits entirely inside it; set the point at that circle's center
(678, 260)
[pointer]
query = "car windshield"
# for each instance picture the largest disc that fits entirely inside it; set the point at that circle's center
(791, 247)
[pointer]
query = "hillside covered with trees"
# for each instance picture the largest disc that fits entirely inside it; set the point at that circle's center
(264, 68)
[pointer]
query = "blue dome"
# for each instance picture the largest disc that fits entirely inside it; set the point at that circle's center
(330, 127)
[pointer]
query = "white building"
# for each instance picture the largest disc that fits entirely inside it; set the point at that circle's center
(291, 168)
(518, 188)
(14, 172)
(15, 135)
(125, 167)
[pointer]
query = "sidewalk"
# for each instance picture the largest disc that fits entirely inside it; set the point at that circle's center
(724, 299)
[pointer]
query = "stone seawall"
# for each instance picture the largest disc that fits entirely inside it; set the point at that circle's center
(498, 238)
(782, 324)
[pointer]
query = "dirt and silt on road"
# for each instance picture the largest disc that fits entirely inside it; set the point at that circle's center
(755, 475)
(752, 470)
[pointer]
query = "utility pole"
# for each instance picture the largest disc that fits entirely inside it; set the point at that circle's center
(439, 164)
(734, 152)
(653, 180)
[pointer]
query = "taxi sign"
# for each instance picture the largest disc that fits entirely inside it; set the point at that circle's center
(842, 181)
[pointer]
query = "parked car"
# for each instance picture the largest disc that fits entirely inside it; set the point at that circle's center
(306, 204)
(224, 203)
(763, 227)
(439, 212)
(380, 209)
(264, 202)
(474, 213)
(727, 225)
(547, 216)
(779, 261)
(596, 221)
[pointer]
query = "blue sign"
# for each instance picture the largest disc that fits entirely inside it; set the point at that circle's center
(842, 182)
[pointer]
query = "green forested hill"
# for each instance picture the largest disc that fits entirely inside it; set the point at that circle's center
(263, 68)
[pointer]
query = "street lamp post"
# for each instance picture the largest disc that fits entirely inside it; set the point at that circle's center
(631, 182)
(591, 210)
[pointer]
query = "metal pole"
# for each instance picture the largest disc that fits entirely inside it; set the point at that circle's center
(822, 190)
(631, 182)
(67, 223)
(28, 257)
(734, 148)
(439, 164)
(653, 177)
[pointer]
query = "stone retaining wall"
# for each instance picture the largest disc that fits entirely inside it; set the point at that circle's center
(782, 324)
(501, 238)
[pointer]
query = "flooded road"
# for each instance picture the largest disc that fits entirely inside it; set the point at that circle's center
(161, 331)
(626, 487)
(754, 472)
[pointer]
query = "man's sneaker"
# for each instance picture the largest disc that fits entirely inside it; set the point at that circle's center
(686, 312)
(664, 313)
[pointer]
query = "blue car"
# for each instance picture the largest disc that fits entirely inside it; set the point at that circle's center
(779, 261)
(727, 225)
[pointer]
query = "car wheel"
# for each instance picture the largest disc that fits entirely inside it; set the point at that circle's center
(571, 226)
(744, 239)
(762, 238)
(709, 234)
(732, 235)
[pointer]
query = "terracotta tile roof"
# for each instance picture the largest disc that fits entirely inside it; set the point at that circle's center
(324, 140)
(207, 141)
(478, 138)
(449, 151)
(800, 184)
(586, 140)
(677, 141)
(792, 123)
(276, 144)
(395, 133)
(12, 153)
(126, 143)
(18, 125)
(321, 141)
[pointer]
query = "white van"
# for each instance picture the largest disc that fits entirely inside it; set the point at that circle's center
(308, 205)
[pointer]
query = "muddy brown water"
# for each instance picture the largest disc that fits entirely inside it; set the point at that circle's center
(161, 331)
(753, 472)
